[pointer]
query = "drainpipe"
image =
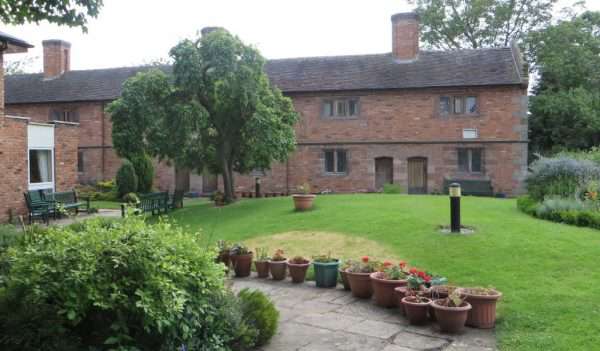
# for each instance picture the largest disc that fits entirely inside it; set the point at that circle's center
(102, 144)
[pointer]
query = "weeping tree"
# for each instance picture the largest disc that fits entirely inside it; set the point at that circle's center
(218, 110)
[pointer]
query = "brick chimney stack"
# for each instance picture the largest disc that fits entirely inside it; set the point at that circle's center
(405, 36)
(57, 57)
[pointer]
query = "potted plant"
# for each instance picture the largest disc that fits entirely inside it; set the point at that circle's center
(262, 262)
(223, 247)
(278, 265)
(384, 282)
(345, 265)
(326, 270)
(451, 312)
(483, 301)
(359, 277)
(436, 292)
(241, 259)
(416, 307)
(304, 199)
(297, 267)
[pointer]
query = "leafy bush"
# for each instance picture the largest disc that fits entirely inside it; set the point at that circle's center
(120, 284)
(527, 205)
(259, 313)
(127, 181)
(106, 185)
(144, 170)
(131, 198)
(392, 189)
(561, 176)
(556, 204)
(592, 154)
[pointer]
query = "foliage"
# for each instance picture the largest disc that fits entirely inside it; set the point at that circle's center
(127, 181)
(365, 265)
(120, 283)
(347, 264)
(566, 102)
(458, 24)
(298, 260)
(260, 313)
(480, 291)
(278, 256)
(560, 176)
(569, 211)
(144, 170)
(239, 249)
(261, 254)
(527, 205)
(392, 272)
(223, 246)
(392, 188)
(304, 189)
(19, 66)
(219, 112)
(131, 198)
(73, 13)
(324, 258)
(557, 204)
(101, 191)
(455, 299)
(591, 154)
(417, 278)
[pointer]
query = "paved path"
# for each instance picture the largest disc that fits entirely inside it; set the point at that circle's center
(315, 319)
(82, 216)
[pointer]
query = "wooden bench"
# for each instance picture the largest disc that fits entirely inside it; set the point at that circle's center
(154, 202)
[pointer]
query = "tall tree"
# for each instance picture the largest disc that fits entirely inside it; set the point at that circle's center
(219, 110)
(459, 24)
(73, 13)
(565, 108)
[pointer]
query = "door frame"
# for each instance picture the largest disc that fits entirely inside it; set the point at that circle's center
(391, 159)
(425, 187)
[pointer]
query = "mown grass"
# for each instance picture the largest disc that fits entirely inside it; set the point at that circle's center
(547, 271)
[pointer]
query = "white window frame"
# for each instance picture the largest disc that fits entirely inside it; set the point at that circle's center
(44, 185)
(470, 133)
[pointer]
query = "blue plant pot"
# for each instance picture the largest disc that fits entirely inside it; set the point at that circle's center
(326, 274)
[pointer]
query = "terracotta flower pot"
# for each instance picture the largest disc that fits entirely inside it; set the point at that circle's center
(224, 258)
(451, 319)
(483, 313)
(345, 281)
(303, 202)
(383, 289)
(262, 268)
(278, 269)
(435, 293)
(400, 294)
(360, 284)
(416, 312)
(298, 271)
(242, 264)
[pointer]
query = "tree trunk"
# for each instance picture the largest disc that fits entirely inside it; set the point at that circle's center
(227, 181)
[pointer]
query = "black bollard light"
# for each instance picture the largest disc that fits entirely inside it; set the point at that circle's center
(454, 191)
(257, 186)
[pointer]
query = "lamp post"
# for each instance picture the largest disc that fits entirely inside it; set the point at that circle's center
(454, 191)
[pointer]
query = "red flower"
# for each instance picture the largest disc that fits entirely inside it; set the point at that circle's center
(402, 264)
(413, 270)
(365, 259)
(387, 263)
(427, 279)
(421, 274)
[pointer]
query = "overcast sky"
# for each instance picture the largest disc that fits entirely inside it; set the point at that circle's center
(131, 32)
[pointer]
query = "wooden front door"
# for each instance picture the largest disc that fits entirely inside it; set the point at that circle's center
(384, 171)
(417, 175)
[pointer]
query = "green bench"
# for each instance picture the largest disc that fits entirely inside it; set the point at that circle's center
(68, 200)
(476, 187)
(154, 203)
(38, 206)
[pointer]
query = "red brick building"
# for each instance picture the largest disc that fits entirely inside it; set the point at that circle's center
(417, 118)
(33, 155)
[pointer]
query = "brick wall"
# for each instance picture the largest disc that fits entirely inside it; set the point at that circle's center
(66, 139)
(13, 161)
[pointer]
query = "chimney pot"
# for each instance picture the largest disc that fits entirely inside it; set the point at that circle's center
(405, 36)
(57, 57)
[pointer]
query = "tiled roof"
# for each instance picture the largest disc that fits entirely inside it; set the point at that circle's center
(494, 66)
(14, 40)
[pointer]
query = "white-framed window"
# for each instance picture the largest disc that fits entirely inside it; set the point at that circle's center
(41, 168)
(470, 160)
(64, 115)
(342, 108)
(458, 105)
(336, 161)
(470, 133)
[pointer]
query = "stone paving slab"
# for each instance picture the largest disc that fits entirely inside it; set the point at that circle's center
(315, 319)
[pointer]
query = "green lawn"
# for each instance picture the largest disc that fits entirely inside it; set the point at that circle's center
(547, 271)
(110, 205)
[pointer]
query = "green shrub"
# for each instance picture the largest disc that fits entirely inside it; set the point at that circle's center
(106, 185)
(131, 198)
(392, 189)
(527, 205)
(260, 313)
(121, 284)
(127, 181)
(144, 170)
(561, 176)
(551, 206)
